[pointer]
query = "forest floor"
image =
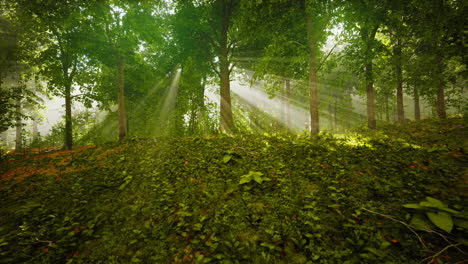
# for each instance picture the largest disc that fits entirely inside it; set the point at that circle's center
(398, 195)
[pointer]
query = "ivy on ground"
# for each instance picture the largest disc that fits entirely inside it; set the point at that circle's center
(239, 199)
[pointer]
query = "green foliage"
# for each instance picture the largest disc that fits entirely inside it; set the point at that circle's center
(253, 176)
(438, 214)
(240, 199)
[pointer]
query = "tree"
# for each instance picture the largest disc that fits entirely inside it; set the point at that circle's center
(438, 28)
(190, 53)
(296, 32)
(119, 30)
(58, 30)
(365, 17)
(19, 89)
(220, 17)
(396, 26)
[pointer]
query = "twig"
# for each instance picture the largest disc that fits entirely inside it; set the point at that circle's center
(440, 252)
(401, 222)
(446, 240)
(411, 228)
(37, 242)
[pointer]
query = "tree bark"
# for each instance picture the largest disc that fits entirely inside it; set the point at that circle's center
(417, 109)
(121, 100)
(19, 127)
(399, 78)
(368, 38)
(335, 114)
(287, 100)
(227, 122)
(371, 123)
(387, 113)
(68, 118)
(313, 89)
(440, 103)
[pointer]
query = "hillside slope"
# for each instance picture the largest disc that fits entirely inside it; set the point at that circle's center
(243, 199)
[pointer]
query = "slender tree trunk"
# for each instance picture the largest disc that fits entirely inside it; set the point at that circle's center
(19, 127)
(399, 78)
(387, 114)
(121, 101)
(287, 102)
(335, 114)
(68, 118)
(368, 38)
(417, 110)
(371, 123)
(313, 89)
(227, 122)
(440, 103)
(201, 108)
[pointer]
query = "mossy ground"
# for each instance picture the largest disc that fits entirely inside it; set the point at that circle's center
(179, 200)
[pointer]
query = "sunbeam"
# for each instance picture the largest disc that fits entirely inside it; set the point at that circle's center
(168, 102)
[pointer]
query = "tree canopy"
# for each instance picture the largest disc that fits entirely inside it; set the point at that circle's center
(158, 67)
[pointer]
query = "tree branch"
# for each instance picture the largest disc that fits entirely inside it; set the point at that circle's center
(326, 57)
(232, 67)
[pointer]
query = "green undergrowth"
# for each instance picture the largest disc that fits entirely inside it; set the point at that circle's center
(243, 199)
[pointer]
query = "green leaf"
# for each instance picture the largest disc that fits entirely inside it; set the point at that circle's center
(227, 158)
(244, 180)
(258, 178)
(413, 206)
(435, 201)
(448, 210)
(442, 220)
(420, 222)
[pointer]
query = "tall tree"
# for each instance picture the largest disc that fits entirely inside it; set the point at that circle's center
(57, 28)
(19, 91)
(365, 17)
(396, 21)
(118, 30)
(220, 17)
(438, 40)
(294, 31)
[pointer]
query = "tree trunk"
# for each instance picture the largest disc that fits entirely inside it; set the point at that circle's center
(387, 114)
(227, 122)
(19, 127)
(287, 102)
(440, 103)
(417, 110)
(335, 114)
(368, 38)
(399, 78)
(121, 101)
(371, 123)
(68, 118)
(201, 109)
(313, 89)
